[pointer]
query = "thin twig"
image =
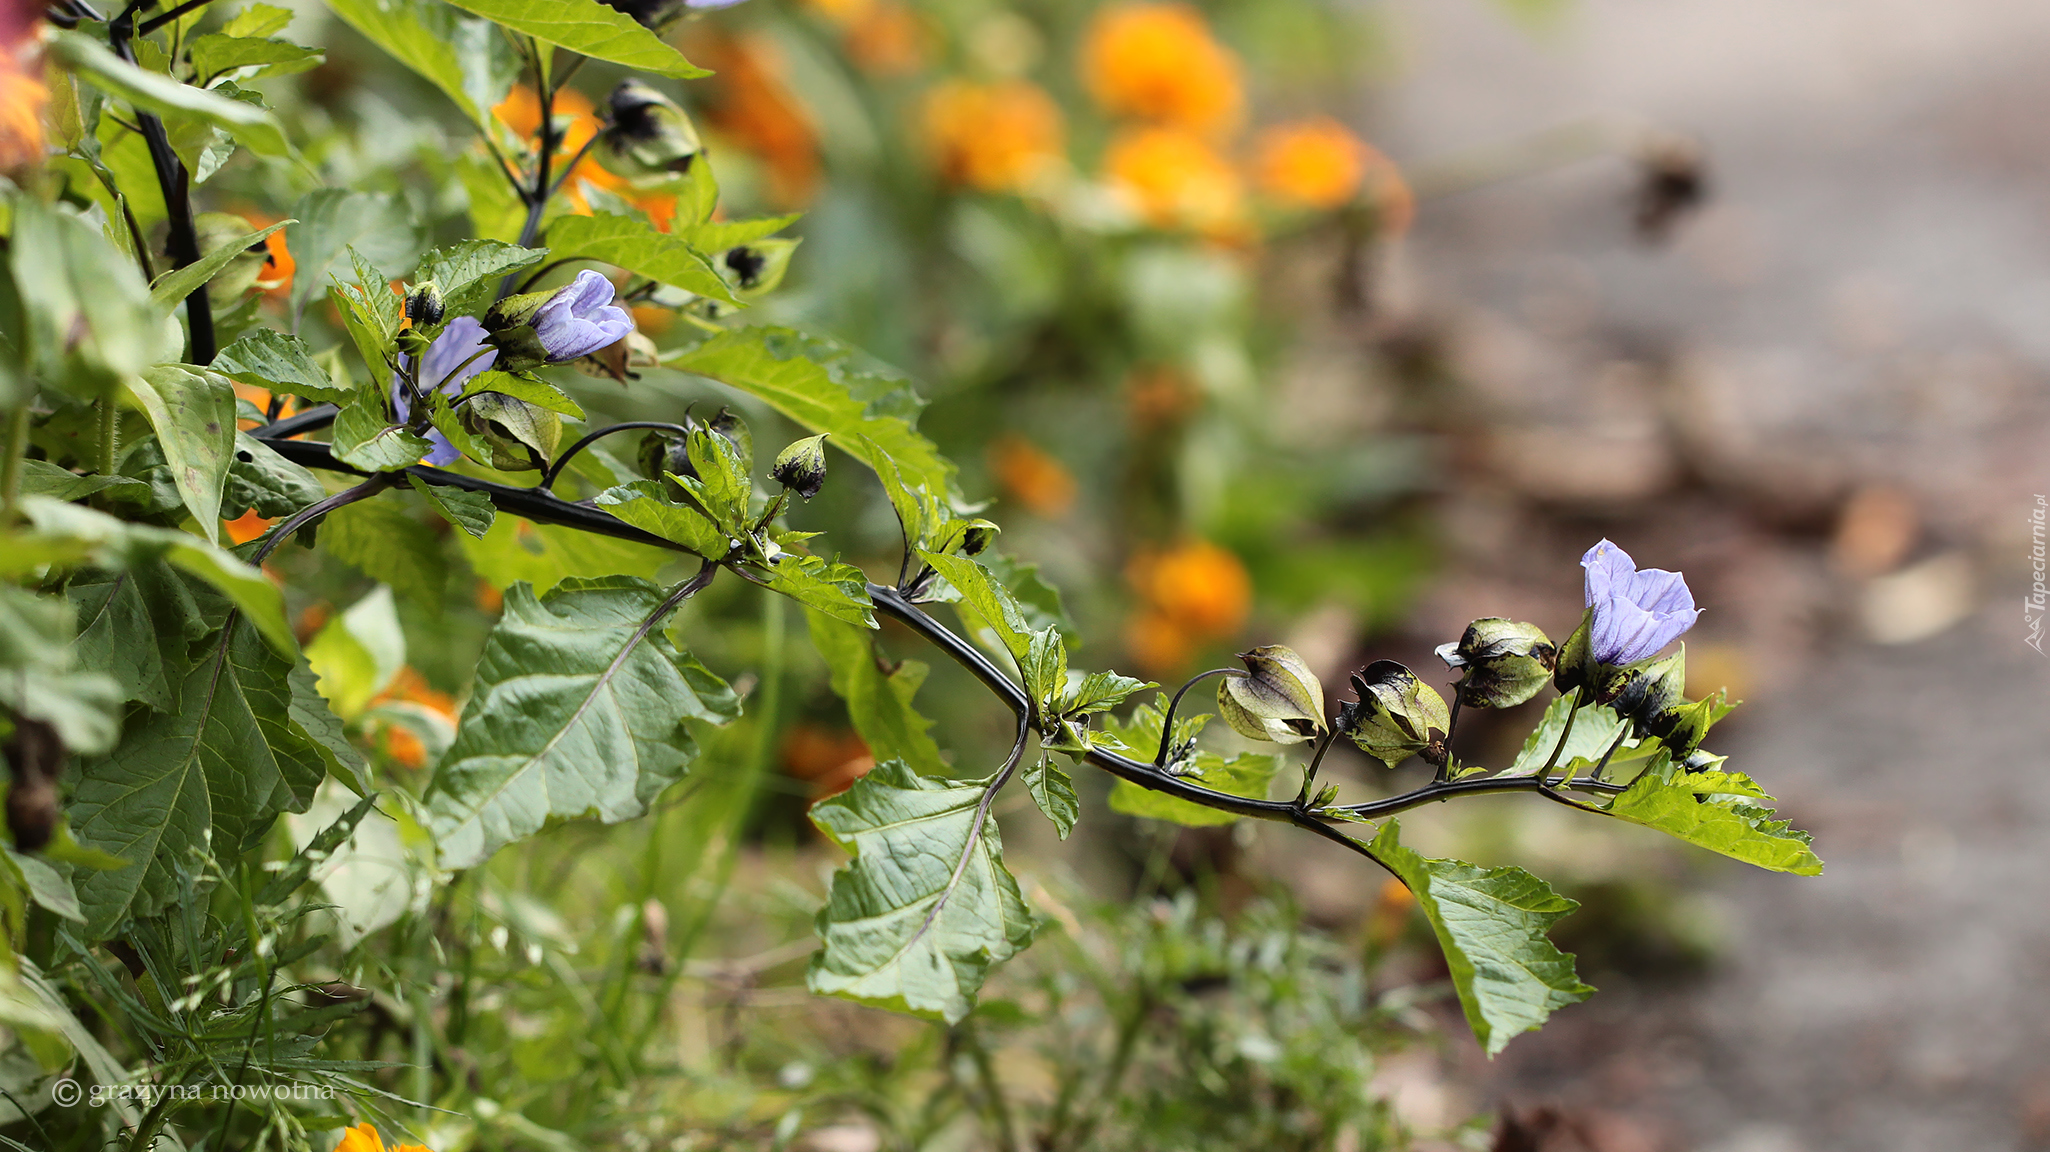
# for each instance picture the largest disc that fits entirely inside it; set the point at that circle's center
(592, 437)
(1167, 721)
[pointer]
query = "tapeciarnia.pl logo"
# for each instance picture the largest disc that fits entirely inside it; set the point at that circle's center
(2038, 599)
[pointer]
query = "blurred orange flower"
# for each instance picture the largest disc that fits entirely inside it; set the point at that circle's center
(22, 95)
(246, 527)
(751, 104)
(489, 598)
(1188, 592)
(1159, 396)
(1031, 477)
(831, 760)
(889, 40)
(1318, 163)
(1175, 179)
(400, 743)
(521, 112)
(363, 1138)
(1159, 62)
(995, 137)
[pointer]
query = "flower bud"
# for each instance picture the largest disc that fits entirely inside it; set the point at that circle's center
(1506, 662)
(1682, 726)
(424, 305)
(1398, 715)
(649, 133)
(977, 536)
(757, 268)
(729, 424)
(665, 452)
(1643, 690)
(802, 467)
(1278, 698)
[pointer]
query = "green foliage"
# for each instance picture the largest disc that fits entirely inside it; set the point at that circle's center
(635, 246)
(1491, 923)
(1715, 810)
(878, 693)
(250, 125)
(1246, 774)
(579, 710)
(590, 28)
(926, 908)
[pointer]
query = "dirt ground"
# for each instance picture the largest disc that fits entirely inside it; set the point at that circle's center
(1828, 392)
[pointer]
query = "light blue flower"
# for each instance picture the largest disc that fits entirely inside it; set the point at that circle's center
(1636, 613)
(450, 363)
(580, 319)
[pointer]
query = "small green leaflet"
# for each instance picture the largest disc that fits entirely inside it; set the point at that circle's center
(218, 52)
(364, 437)
(635, 246)
(539, 393)
(1491, 924)
(878, 694)
(42, 478)
(916, 920)
(257, 20)
(590, 28)
(92, 61)
(826, 386)
(1247, 774)
(470, 511)
(839, 590)
(283, 364)
(578, 710)
(991, 601)
(644, 505)
(381, 540)
(177, 284)
(468, 273)
(714, 237)
(1054, 793)
(193, 411)
(1715, 811)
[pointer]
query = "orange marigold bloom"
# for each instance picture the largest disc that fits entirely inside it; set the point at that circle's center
(996, 137)
(22, 95)
(889, 39)
(1175, 179)
(1157, 644)
(363, 1138)
(1159, 62)
(246, 527)
(1318, 163)
(1196, 585)
(489, 598)
(1031, 477)
(750, 103)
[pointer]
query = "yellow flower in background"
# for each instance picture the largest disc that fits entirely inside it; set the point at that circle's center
(1159, 62)
(996, 137)
(363, 1138)
(1175, 179)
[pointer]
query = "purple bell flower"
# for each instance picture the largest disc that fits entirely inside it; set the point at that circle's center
(1636, 613)
(444, 367)
(580, 319)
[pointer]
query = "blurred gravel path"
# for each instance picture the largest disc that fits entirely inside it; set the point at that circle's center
(1866, 302)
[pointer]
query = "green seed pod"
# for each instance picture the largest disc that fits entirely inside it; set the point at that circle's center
(649, 133)
(1278, 698)
(1642, 691)
(665, 452)
(1506, 662)
(511, 428)
(757, 268)
(978, 536)
(802, 466)
(1682, 726)
(1398, 715)
(424, 305)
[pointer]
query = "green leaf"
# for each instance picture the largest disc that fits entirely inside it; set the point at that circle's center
(365, 437)
(714, 237)
(468, 272)
(310, 712)
(1046, 669)
(452, 52)
(543, 555)
(589, 28)
(878, 694)
(539, 393)
(1102, 691)
(251, 126)
(193, 411)
(41, 677)
(578, 710)
(1491, 923)
(1054, 793)
(636, 246)
(356, 653)
(377, 225)
(1039, 601)
(177, 284)
(258, 20)
(283, 364)
(112, 543)
(916, 920)
(49, 888)
(87, 323)
(1713, 809)
(1248, 774)
(836, 589)
(222, 764)
(380, 540)
(1594, 729)
(644, 505)
(42, 478)
(826, 386)
(261, 480)
(993, 604)
(135, 625)
(219, 52)
(470, 511)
